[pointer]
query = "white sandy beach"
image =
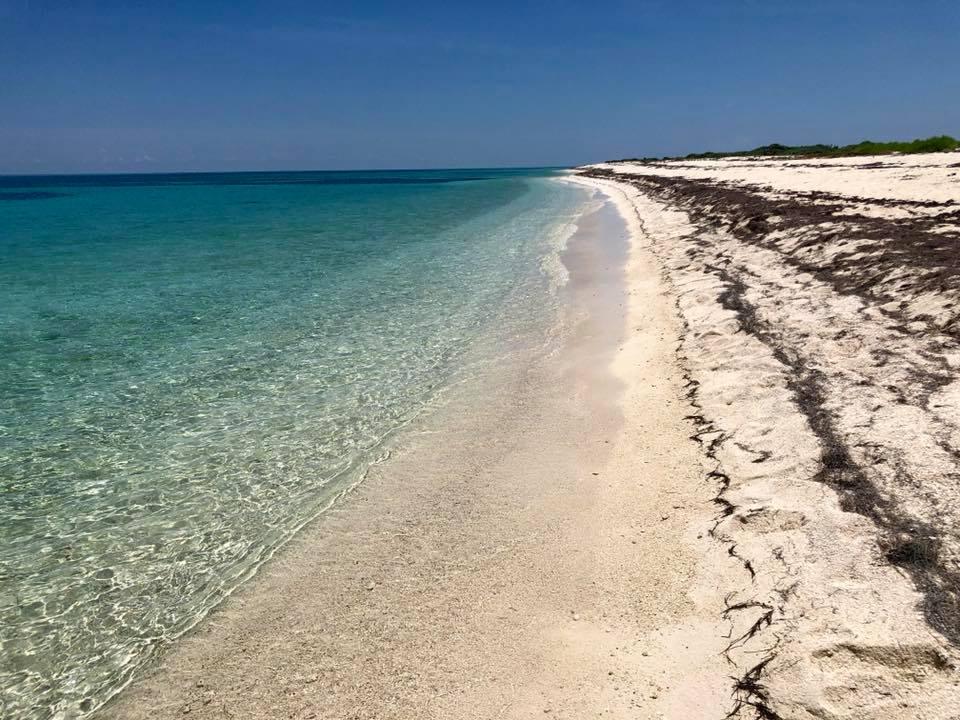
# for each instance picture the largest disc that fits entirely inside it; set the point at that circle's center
(730, 493)
(535, 558)
(818, 304)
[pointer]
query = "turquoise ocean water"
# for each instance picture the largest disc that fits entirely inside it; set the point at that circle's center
(192, 366)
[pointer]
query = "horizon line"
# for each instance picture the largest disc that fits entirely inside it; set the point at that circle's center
(250, 172)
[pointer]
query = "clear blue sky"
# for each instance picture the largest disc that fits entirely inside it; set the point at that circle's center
(237, 84)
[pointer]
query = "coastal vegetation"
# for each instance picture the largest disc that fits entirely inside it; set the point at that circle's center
(938, 143)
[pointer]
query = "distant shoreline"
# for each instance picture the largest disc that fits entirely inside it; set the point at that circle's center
(937, 143)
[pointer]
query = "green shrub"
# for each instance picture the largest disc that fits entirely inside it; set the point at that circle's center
(939, 143)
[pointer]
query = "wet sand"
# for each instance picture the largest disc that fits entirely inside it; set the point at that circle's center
(536, 547)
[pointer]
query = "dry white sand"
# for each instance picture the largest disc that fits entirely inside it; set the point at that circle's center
(931, 177)
(819, 305)
(537, 547)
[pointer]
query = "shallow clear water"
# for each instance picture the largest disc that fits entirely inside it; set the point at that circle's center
(192, 366)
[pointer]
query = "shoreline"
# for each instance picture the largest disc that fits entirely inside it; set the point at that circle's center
(676, 509)
(171, 429)
(506, 561)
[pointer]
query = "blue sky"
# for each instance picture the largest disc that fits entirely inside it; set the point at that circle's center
(160, 86)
